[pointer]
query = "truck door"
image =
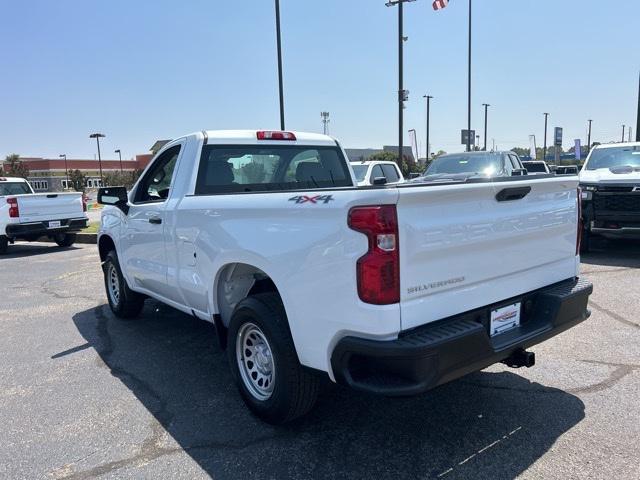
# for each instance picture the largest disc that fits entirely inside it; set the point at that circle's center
(142, 244)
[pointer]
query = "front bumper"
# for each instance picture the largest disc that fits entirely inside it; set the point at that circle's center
(39, 229)
(433, 354)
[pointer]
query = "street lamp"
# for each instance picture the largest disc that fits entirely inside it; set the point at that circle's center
(98, 136)
(469, 86)
(544, 151)
(66, 171)
(589, 138)
(279, 46)
(119, 155)
(428, 97)
(486, 106)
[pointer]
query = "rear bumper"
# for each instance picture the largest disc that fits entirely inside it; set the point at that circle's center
(433, 354)
(39, 229)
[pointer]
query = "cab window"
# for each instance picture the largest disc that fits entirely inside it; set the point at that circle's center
(156, 183)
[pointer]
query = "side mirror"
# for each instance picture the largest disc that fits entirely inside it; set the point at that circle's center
(116, 196)
(379, 181)
(516, 172)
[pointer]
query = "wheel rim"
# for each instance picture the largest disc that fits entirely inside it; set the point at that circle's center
(113, 284)
(255, 361)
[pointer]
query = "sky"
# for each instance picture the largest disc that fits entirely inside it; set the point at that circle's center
(143, 70)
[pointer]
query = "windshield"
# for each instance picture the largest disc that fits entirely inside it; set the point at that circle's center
(534, 167)
(14, 188)
(484, 164)
(614, 157)
(360, 171)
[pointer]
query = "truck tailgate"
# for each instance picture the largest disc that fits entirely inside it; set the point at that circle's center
(49, 206)
(461, 248)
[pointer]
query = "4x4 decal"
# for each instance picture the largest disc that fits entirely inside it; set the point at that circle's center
(315, 200)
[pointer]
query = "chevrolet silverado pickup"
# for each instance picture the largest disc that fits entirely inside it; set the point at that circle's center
(610, 183)
(25, 215)
(389, 289)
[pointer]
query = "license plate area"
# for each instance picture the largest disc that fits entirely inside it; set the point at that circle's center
(54, 224)
(504, 318)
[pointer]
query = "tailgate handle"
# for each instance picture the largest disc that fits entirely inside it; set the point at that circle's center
(513, 193)
(52, 196)
(155, 220)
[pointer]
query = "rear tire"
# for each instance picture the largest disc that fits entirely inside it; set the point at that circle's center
(4, 244)
(264, 363)
(124, 302)
(65, 239)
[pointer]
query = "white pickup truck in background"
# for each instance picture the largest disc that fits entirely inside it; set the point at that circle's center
(25, 215)
(392, 289)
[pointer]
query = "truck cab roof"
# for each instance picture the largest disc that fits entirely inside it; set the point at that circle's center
(252, 136)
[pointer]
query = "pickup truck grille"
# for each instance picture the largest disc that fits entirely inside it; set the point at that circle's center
(618, 202)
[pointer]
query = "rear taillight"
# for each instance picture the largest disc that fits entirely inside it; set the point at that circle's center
(378, 271)
(84, 202)
(14, 211)
(580, 223)
(275, 135)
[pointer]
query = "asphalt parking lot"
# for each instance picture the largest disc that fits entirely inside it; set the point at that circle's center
(84, 395)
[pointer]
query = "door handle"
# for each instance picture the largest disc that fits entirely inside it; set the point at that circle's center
(155, 220)
(514, 193)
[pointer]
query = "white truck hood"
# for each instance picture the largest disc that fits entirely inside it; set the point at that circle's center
(606, 175)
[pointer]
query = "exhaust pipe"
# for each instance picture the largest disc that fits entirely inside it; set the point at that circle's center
(520, 358)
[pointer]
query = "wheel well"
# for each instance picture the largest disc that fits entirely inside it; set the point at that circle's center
(236, 281)
(105, 246)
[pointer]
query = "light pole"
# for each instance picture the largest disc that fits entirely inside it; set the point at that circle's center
(402, 94)
(98, 136)
(66, 170)
(544, 150)
(486, 106)
(119, 155)
(469, 87)
(428, 149)
(638, 117)
(279, 41)
(325, 122)
(589, 138)
(623, 127)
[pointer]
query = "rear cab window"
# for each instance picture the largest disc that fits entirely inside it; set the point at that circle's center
(390, 173)
(266, 168)
(14, 188)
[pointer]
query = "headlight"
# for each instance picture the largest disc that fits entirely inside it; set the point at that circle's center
(586, 195)
(588, 188)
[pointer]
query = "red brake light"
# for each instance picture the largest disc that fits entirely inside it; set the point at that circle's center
(84, 202)
(580, 223)
(275, 135)
(378, 271)
(14, 211)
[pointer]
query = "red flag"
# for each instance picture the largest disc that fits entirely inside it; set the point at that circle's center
(440, 4)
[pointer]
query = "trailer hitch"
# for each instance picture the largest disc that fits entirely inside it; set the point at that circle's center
(520, 358)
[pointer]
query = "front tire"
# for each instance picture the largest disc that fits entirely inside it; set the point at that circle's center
(65, 239)
(264, 362)
(124, 302)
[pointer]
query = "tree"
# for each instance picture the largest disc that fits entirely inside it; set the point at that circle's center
(78, 180)
(14, 167)
(125, 179)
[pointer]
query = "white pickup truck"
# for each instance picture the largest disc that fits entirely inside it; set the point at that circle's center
(610, 182)
(25, 215)
(387, 289)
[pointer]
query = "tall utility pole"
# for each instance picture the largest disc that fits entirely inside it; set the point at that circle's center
(544, 151)
(98, 136)
(589, 138)
(638, 117)
(486, 106)
(402, 94)
(623, 127)
(119, 155)
(280, 87)
(66, 170)
(469, 87)
(325, 122)
(427, 149)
